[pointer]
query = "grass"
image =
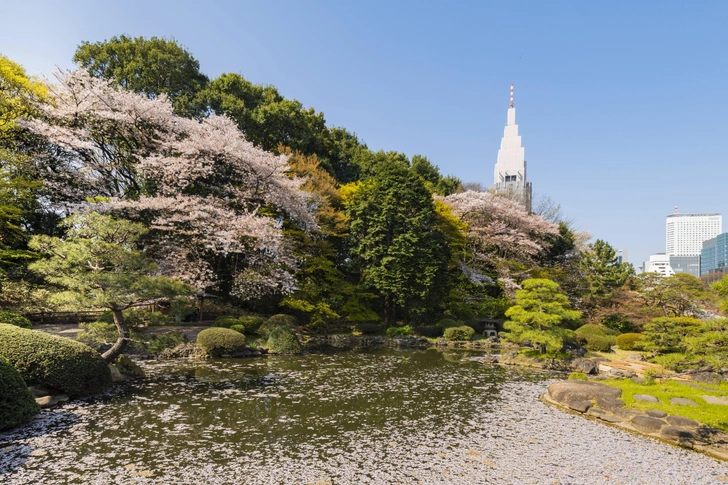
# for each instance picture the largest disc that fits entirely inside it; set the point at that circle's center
(616, 354)
(714, 415)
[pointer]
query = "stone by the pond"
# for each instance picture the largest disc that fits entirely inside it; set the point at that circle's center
(39, 391)
(682, 421)
(579, 405)
(586, 366)
(708, 377)
(647, 424)
(636, 357)
(676, 433)
(46, 402)
(574, 393)
(681, 401)
(128, 367)
(604, 415)
(116, 376)
(716, 400)
(655, 413)
(645, 398)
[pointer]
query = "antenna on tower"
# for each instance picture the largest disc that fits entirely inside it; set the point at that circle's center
(511, 95)
(676, 211)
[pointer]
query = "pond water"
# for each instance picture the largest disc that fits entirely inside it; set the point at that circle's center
(354, 417)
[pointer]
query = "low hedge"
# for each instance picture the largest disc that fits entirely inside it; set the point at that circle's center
(14, 319)
(279, 320)
(226, 321)
(459, 333)
(55, 362)
(282, 340)
(629, 341)
(599, 343)
(17, 404)
(217, 341)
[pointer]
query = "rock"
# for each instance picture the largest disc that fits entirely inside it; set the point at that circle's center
(626, 414)
(676, 433)
(586, 366)
(50, 401)
(682, 421)
(604, 415)
(647, 424)
(636, 357)
(617, 373)
(39, 391)
(116, 376)
(638, 379)
(577, 394)
(490, 359)
(681, 401)
(654, 413)
(645, 398)
(716, 400)
(128, 367)
(708, 377)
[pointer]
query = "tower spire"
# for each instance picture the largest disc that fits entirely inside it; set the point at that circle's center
(511, 95)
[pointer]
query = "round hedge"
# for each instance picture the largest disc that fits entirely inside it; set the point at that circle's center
(459, 333)
(629, 341)
(55, 362)
(281, 340)
(238, 328)
(447, 323)
(14, 319)
(226, 321)
(252, 323)
(279, 320)
(217, 341)
(17, 404)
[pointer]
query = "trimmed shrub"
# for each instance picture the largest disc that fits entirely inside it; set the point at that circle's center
(217, 341)
(282, 340)
(252, 323)
(238, 328)
(600, 343)
(278, 320)
(578, 376)
(447, 323)
(429, 331)
(629, 341)
(226, 321)
(475, 324)
(618, 322)
(369, 328)
(399, 331)
(14, 319)
(459, 333)
(55, 362)
(17, 404)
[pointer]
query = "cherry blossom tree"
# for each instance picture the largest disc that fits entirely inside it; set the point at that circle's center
(502, 238)
(213, 201)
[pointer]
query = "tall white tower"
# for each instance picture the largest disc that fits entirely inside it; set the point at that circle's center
(685, 233)
(510, 169)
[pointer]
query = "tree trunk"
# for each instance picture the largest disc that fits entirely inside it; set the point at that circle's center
(389, 310)
(121, 341)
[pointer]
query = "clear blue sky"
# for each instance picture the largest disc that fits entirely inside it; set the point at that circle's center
(622, 105)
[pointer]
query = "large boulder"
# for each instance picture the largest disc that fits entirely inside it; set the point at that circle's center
(574, 394)
(17, 404)
(586, 366)
(57, 363)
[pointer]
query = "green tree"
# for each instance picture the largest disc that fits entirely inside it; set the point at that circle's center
(668, 334)
(151, 66)
(395, 238)
(720, 288)
(679, 295)
(602, 272)
(540, 312)
(98, 264)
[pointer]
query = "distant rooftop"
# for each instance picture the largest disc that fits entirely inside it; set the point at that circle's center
(695, 215)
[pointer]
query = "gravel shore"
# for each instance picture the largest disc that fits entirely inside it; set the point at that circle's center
(514, 440)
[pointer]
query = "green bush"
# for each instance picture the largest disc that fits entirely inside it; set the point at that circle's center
(447, 323)
(14, 319)
(476, 324)
(226, 321)
(675, 361)
(217, 341)
(252, 323)
(399, 331)
(600, 343)
(55, 362)
(282, 340)
(429, 331)
(578, 376)
(618, 322)
(629, 341)
(368, 328)
(17, 404)
(238, 328)
(459, 333)
(592, 329)
(278, 320)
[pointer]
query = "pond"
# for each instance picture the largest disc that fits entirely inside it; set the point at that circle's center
(353, 417)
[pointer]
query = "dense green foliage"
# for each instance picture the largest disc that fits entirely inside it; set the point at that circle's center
(14, 319)
(238, 328)
(55, 362)
(17, 404)
(629, 341)
(216, 342)
(278, 320)
(459, 333)
(282, 340)
(405, 331)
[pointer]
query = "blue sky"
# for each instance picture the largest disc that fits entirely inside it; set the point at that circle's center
(622, 105)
